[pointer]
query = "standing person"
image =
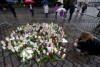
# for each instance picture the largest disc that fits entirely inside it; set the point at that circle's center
(29, 4)
(46, 7)
(60, 12)
(59, 2)
(84, 8)
(69, 5)
(87, 43)
(79, 5)
(10, 3)
(2, 4)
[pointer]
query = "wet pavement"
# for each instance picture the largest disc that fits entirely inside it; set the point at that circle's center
(73, 29)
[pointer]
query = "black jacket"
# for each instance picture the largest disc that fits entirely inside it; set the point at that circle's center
(92, 47)
(69, 2)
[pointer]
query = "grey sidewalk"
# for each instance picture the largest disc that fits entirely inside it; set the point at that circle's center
(72, 30)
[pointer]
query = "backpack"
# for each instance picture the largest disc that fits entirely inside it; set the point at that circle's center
(28, 1)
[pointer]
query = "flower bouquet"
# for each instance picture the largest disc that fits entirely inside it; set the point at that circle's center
(44, 42)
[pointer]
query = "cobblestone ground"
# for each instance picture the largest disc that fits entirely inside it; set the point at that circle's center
(72, 30)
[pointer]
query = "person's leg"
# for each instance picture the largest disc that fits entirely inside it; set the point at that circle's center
(46, 15)
(32, 12)
(32, 9)
(98, 15)
(13, 10)
(72, 9)
(1, 7)
(46, 10)
(67, 8)
(56, 15)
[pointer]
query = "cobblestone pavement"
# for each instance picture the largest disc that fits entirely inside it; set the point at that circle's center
(72, 30)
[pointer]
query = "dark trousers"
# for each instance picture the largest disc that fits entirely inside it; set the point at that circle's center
(83, 10)
(12, 9)
(46, 15)
(32, 12)
(71, 8)
(98, 15)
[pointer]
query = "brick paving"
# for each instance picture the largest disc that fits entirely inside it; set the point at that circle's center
(72, 30)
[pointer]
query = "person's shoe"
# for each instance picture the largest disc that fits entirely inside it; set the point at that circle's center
(68, 21)
(4, 8)
(15, 16)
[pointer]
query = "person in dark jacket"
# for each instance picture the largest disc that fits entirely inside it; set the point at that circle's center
(30, 5)
(84, 8)
(10, 3)
(87, 43)
(70, 5)
(2, 4)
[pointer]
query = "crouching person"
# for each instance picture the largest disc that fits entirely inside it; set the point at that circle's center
(87, 43)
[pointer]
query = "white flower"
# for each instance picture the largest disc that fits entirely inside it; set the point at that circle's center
(16, 48)
(19, 28)
(29, 50)
(64, 55)
(7, 39)
(10, 47)
(14, 43)
(12, 50)
(47, 53)
(50, 40)
(9, 44)
(26, 35)
(35, 36)
(29, 56)
(44, 51)
(21, 38)
(4, 47)
(39, 52)
(49, 49)
(64, 40)
(3, 43)
(61, 48)
(64, 50)
(35, 45)
(38, 60)
(16, 37)
(59, 52)
(23, 55)
(12, 38)
(13, 32)
(20, 45)
(55, 50)
(32, 43)
(39, 37)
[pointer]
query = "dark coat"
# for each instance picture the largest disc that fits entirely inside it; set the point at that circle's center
(84, 8)
(45, 2)
(92, 47)
(69, 2)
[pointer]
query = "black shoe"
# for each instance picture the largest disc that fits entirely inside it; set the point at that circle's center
(68, 21)
(15, 16)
